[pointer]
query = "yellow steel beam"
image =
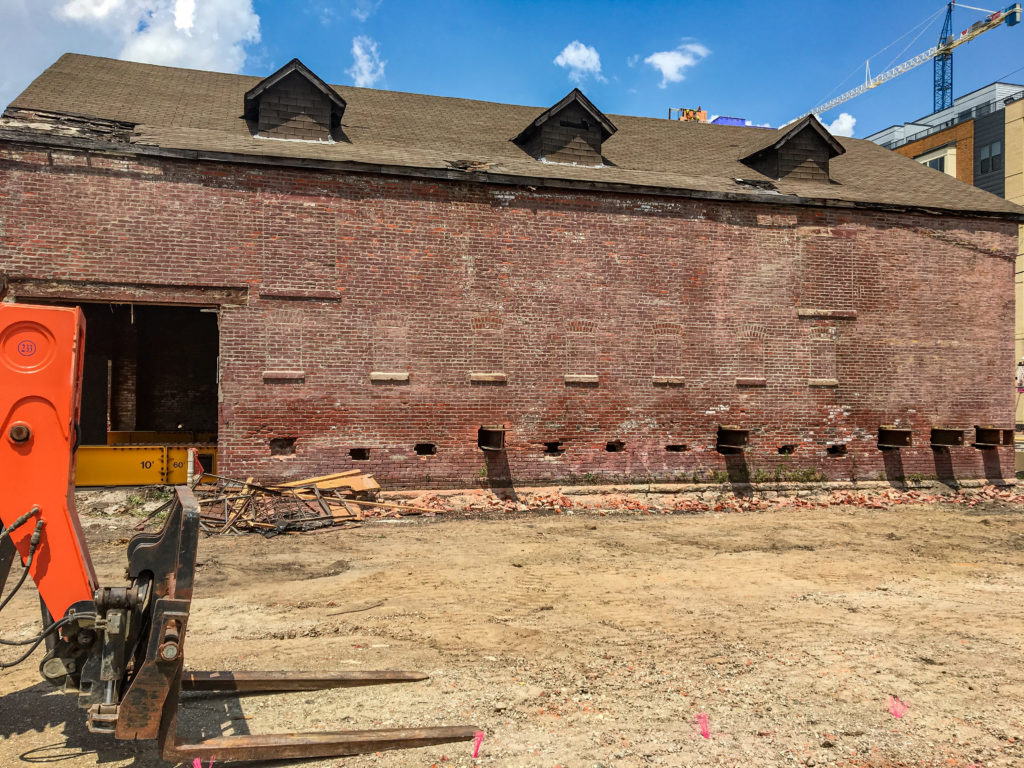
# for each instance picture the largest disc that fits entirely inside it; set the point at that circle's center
(138, 464)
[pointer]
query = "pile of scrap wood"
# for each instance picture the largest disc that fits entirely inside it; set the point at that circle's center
(310, 504)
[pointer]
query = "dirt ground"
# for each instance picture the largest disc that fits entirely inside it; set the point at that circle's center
(591, 640)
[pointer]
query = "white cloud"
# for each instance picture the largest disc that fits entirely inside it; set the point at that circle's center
(632, 60)
(184, 14)
(581, 60)
(672, 64)
(367, 67)
(324, 11)
(212, 34)
(842, 125)
(363, 9)
(90, 9)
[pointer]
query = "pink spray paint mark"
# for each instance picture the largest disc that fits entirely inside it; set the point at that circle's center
(702, 723)
(478, 739)
(197, 763)
(897, 708)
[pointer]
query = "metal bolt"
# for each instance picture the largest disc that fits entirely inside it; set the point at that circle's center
(86, 638)
(169, 652)
(54, 668)
(19, 433)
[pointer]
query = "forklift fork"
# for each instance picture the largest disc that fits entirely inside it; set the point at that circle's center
(148, 707)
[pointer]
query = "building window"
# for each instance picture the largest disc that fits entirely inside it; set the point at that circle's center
(990, 157)
(942, 159)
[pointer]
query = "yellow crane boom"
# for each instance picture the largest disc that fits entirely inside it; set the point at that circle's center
(1009, 15)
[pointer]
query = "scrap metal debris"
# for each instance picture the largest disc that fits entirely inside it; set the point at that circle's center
(299, 506)
(345, 499)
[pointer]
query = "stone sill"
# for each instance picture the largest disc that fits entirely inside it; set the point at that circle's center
(835, 314)
(751, 381)
(823, 382)
(581, 378)
(293, 376)
(494, 377)
(389, 376)
(298, 293)
(668, 381)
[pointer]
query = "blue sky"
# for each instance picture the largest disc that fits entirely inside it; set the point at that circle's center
(767, 62)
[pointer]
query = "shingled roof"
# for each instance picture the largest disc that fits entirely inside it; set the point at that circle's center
(201, 114)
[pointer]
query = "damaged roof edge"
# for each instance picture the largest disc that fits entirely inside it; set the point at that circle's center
(449, 174)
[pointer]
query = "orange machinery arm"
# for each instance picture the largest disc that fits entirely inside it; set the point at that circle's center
(121, 647)
(41, 358)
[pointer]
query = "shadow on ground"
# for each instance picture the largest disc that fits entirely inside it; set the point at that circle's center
(40, 707)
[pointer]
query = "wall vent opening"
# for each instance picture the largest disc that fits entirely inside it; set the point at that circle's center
(838, 449)
(282, 446)
(426, 449)
(491, 438)
(893, 438)
(553, 448)
(615, 446)
(788, 450)
(992, 437)
(945, 438)
(732, 439)
(359, 454)
(677, 448)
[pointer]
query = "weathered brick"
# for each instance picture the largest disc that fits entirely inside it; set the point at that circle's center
(853, 318)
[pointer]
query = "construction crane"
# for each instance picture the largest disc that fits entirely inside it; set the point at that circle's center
(942, 94)
(942, 53)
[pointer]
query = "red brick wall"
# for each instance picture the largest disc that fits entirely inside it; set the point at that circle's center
(350, 274)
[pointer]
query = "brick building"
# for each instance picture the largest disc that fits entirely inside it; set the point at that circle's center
(333, 277)
(980, 140)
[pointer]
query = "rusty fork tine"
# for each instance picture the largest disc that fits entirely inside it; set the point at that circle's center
(271, 682)
(299, 745)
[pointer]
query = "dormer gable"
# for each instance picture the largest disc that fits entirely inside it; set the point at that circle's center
(799, 152)
(571, 131)
(293, 103)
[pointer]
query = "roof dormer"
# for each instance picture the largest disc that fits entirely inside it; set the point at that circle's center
(293, 103)
(800, 152)
(571, 131)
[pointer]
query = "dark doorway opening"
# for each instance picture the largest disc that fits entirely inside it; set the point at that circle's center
(149, 369)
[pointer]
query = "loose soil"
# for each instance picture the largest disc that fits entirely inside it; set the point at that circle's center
(594, 639)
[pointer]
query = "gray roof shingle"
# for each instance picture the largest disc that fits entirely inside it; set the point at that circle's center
(196, 110)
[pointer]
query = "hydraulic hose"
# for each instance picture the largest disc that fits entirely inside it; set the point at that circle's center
(37, 534)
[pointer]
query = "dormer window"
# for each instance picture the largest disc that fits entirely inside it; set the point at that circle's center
(800, 152)
(572, 131)
(295, 104)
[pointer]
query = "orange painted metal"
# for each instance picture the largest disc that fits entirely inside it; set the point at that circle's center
(41, 358)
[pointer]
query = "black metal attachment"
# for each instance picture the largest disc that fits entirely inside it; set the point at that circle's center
(126, 657)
